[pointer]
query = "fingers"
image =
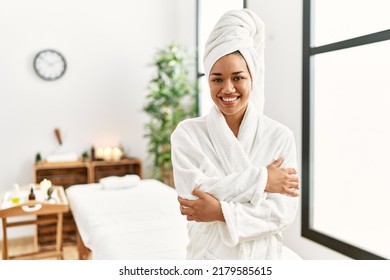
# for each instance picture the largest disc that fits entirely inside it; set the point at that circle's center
(189, 213)
(186, 207)
(204, 208)
(277, 162)
(191, 218)
(293, 192)
(293, 189)
(294, 185)
(185, 202)
(294, 179)
(185, 210)
(290, 171)
(197, 192)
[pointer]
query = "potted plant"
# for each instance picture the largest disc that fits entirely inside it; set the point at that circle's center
(171, 99)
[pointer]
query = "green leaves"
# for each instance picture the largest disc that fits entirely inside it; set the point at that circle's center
(171, 99)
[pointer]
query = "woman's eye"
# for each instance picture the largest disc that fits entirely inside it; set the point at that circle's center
(217, 80)
(237, 78)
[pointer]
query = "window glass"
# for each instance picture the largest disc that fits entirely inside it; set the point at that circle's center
(351, 150)
(336, 20)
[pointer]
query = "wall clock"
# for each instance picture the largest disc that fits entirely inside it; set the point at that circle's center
(49, 64)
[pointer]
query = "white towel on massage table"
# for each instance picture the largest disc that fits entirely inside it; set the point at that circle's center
(117, 182)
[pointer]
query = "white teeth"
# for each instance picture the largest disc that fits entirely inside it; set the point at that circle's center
(229, 99)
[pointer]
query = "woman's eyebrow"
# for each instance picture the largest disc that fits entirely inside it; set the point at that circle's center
(234, 73)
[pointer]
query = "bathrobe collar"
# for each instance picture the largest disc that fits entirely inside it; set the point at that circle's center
(234, 152)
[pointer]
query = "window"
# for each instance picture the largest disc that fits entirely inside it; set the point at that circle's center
(346, 135)
(208, 13)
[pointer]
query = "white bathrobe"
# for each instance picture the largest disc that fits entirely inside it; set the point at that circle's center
(206, 153)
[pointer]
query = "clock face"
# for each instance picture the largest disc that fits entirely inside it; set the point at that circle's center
(49, 65)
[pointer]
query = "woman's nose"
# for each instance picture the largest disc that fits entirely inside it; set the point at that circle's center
(228, 87)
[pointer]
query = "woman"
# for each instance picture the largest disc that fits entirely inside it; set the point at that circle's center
(234, 169)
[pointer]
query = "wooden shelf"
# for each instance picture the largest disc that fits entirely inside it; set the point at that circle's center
(67, 174)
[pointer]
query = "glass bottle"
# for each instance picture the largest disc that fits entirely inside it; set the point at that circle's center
(31, 196)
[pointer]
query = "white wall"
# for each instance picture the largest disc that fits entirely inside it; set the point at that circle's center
(108, 45)
(283, 87)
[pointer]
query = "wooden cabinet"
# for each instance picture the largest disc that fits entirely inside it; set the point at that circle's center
(72, 173)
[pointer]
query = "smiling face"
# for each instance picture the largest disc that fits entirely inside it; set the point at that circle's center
(230, 85)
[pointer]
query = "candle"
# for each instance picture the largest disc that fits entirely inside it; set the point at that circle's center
(99, 153)
(107, 153)
(116, 153)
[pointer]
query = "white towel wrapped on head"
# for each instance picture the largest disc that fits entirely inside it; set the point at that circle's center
(116, 182)
(243, 31)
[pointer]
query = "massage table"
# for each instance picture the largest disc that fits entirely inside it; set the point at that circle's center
(133, 223)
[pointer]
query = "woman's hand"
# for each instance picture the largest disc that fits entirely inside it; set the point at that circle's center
(282, 180)
(205, 209)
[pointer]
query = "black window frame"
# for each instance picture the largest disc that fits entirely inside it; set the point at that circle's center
(307, 92)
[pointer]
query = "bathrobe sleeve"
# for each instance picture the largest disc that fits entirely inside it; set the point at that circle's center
(269, 216)
(193, 168)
